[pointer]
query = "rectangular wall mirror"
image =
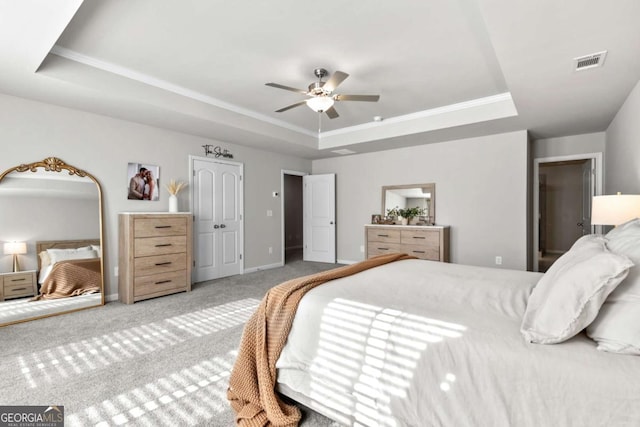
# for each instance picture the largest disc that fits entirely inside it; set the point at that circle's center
(411, 195)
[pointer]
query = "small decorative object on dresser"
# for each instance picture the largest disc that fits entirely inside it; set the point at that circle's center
(155, 255)
(376, 219)
(18, 285)
(424, 242)
(174, 188)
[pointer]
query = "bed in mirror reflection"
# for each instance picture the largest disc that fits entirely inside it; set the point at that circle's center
(53, 212)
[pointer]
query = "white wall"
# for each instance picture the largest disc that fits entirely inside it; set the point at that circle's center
(569, 145)
(31, 131)
(481, 192)
(622, 162)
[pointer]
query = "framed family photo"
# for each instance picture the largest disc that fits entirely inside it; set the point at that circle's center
(143, 180)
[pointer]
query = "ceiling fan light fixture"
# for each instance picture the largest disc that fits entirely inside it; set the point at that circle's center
(320, 104)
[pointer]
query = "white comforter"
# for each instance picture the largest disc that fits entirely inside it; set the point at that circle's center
(421, 343)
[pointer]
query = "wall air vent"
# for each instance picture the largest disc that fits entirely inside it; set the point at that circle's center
(589, 61)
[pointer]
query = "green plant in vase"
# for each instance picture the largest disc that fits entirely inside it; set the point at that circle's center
(406, 213)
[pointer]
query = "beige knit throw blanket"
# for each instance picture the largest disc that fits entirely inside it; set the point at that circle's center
(252, 383)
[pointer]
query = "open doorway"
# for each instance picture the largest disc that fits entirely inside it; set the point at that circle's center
(563, 190)
(292, 208)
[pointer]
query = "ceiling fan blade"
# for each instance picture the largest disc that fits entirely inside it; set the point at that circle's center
(292, 89)
(365, 98)
(297, 104)
(332, 113)
(335, 80)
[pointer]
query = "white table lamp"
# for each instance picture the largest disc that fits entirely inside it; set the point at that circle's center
(15, 249)
(615, 209)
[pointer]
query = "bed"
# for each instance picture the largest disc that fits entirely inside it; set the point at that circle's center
(68, 268)
(422, 343)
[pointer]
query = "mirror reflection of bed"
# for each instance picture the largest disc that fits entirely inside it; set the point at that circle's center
(57, 214)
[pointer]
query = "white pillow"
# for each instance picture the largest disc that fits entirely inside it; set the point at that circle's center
(97, 249)
(622, 228)
(588, 239)
(617, 326)
(65, 256)
(569, 295)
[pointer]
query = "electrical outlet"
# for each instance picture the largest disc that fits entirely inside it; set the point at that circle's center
(269, 212)
(498, 260)
(115, 271)
(361, 248)
(270, 250)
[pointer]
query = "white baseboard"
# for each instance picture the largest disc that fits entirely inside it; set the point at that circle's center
(347, 261)
(111, 298)
(263, 267)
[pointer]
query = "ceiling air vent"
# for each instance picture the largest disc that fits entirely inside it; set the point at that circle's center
(343, 151)
(589, 61)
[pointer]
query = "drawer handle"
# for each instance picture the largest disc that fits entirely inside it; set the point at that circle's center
(164, 244)
(419, 237)
(163, 263)
(418, 252)
(163, 281)
(383, 235)
(383, 249)
(19, 289)
(163, 226)
(18, 280)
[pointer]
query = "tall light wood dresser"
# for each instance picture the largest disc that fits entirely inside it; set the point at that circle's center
(421, 241)
(155, 253)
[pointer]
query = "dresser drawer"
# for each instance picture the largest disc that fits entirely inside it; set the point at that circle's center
(155, 283)
(383, 235)
(159, 245)
(380, 248)
(148, 265)
(423, 252)
(156, 227)
(19, 279)
(17, 290)
(429, 238)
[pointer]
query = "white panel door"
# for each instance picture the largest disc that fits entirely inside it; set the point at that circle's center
(319, 211)
(217, 208)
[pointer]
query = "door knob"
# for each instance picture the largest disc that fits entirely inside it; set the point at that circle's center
(222, 226)
(331, 223)
(216, 226)
(580, 224)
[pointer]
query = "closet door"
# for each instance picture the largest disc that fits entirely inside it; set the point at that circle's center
(217, 209)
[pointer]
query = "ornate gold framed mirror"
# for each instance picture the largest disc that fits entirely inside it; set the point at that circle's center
(409, 196)
(51, 255)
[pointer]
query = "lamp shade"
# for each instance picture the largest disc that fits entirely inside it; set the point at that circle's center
(15, 248)
(615, 209)
(320, 104)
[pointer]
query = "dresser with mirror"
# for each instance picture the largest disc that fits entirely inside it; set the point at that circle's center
(420, 238)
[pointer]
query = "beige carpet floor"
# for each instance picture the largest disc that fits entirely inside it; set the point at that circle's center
(160, 362)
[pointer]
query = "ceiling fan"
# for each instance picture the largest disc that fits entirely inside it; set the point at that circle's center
(321, 96)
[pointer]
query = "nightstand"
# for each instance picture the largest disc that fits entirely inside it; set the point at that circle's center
(18, 284)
